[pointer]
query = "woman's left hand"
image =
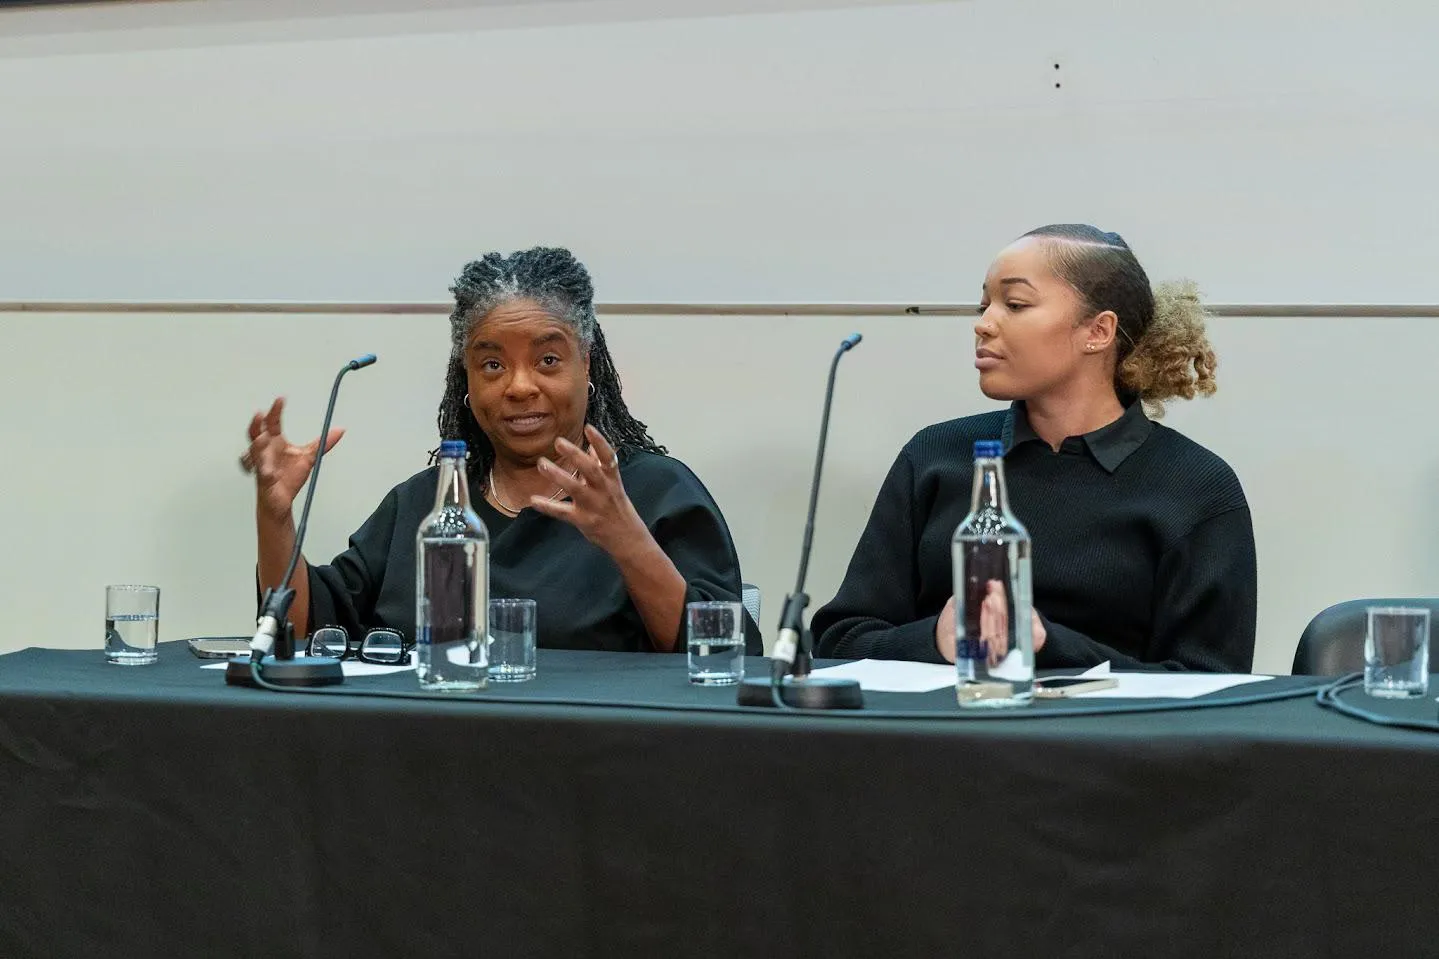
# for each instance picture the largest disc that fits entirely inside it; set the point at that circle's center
(598, 506)
(994, 623)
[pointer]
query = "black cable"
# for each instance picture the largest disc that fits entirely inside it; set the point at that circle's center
(959, 714)
(1330, 696)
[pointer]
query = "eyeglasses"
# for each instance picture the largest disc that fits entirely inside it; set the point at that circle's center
(382, 647)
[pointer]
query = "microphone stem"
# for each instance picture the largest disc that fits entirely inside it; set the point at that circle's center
(818, 472)
(314, 479)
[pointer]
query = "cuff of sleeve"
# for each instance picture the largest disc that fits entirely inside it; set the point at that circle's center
(753, 638)
(912, 641)
(1050, 656)
(693, 594)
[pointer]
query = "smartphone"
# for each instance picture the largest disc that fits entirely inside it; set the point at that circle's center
(219, 647)
(1058, 687)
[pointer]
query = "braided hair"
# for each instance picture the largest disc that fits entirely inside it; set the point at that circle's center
(560, 284)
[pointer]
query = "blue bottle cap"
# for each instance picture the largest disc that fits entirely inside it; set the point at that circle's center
(453, 448)
(988, 449)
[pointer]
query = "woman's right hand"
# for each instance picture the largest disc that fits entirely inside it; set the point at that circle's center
(944, 633)
(280, 467)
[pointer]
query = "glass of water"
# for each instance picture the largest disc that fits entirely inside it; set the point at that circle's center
(512, 640)
(1396, 652)
(716, 643)
(132, 624)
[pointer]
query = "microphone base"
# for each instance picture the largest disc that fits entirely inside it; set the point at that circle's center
(299, 671)
(808, 693)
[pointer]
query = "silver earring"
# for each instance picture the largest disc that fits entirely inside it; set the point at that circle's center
(592, 387)
(467, 399)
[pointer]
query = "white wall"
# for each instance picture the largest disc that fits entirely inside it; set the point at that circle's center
(828, 152)
(1275, 149)
(124, 433)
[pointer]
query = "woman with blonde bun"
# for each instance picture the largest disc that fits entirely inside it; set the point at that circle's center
(1143, 543)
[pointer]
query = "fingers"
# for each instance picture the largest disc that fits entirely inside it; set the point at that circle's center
(1040, 633)
(946, 637)
(331, 438)
(272, 418)
(555, 509)
(562, 478)
(585, 463)
(604, 452)
(997, 605)
(986, 622)
(257, 425)
(1000, 647)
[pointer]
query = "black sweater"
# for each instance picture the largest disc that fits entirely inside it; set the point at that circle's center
(1143, 547)
(580, 598)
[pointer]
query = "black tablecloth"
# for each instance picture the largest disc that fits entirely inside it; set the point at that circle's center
(152, 810)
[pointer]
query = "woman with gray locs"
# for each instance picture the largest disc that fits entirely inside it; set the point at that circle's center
(1143, 543)
(587, 514)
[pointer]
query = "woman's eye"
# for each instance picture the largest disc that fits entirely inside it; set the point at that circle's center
(982, 308)
(490, 366)
(1015, 307)
(549, 360)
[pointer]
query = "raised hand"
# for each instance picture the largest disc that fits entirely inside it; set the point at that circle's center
(598, 505)
(280, 467)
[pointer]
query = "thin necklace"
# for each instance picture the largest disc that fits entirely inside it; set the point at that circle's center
(509, 510)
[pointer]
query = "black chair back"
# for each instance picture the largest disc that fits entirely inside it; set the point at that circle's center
(1333, 642)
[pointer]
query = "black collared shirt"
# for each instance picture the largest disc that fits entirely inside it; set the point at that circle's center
(1109, 445)
(1143, 547)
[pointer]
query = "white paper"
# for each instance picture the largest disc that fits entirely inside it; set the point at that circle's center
(1164, 685)
(348, 666)
(892, 676)
(1011, 667)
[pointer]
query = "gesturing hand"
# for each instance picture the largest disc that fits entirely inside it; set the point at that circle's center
(280, 467)
(598, 506)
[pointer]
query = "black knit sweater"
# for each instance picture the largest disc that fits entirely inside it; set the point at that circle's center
(1143, 547)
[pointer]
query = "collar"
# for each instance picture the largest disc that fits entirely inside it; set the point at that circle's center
(1110, 445)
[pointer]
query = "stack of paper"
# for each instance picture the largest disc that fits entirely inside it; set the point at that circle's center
(350, 667)
(891, 676)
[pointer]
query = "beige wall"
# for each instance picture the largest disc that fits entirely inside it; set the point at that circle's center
(123, 432)
(828, 151)
(880, 153)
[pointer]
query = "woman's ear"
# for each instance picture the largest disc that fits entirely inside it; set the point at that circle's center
(1100, 332)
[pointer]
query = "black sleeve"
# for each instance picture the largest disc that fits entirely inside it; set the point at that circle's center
(344, 592)
(688, 525)
(875, 614)
(1205, 607)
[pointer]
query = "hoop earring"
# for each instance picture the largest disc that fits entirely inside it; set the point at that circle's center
(467, 401)
(592, 388)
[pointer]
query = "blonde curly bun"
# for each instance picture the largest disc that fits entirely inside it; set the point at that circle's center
(1172, 358)
(1163, 352)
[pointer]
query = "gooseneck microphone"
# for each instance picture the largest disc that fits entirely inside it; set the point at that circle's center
(793, 650)
(284, 668)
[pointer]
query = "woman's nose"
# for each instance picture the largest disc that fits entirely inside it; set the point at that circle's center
(522, 383)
